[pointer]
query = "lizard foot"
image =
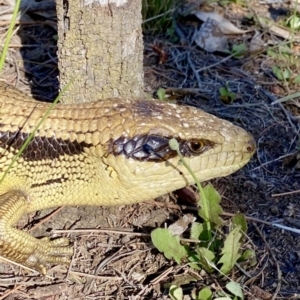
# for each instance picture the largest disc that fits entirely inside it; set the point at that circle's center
(20, 246)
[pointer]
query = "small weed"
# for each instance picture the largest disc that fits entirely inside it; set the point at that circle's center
(226, 95)
(161, 94)
(286, 63)
(281, 73)
(218, 244)
(239, 50)
(293, 22)
(158, 15)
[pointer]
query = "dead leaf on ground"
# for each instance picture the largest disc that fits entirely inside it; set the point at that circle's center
(210, 37)
(256, 43)
(182, 224)
(225, 26)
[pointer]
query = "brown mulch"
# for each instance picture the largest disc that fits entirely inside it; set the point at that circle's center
(118, 261)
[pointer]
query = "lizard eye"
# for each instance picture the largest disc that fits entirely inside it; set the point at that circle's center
(196, 145)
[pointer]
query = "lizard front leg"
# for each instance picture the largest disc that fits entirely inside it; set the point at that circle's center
(20, 246)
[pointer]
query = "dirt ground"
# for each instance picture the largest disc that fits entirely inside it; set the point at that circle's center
(114, 258)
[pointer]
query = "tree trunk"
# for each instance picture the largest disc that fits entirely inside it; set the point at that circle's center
(100, 49)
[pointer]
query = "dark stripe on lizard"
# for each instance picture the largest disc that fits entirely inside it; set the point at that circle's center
(140, 147)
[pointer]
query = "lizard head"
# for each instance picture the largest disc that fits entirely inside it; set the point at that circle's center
(144, 161)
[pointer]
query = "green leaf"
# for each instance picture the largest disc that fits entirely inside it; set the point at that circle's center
(231, 250)
(239, 50)
(277, 72)
(235, 289)
(296, 80)
(161, 94)
(206, 259)
(168, 244)
(250, 256)
(240, 220)
(214, 207)
(293, 22)
(287, 74)
(223, 91)
(204, 294)
(196, 230)
(226, 95)
(194, 261)
(272, 53)
(176, 293)
(281, 74)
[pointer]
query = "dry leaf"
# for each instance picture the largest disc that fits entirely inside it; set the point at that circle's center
(225, 26)
(182, 224)
(256, 43)
(210, 37)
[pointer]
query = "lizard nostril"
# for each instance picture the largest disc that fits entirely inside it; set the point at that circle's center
(250, 146)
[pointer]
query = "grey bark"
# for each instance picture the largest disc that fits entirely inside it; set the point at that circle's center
(100, 49)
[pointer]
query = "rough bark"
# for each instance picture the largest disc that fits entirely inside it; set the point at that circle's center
(100, 48)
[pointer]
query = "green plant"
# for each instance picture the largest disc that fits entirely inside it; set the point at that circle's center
(235, 292)
(161, 94)
(158, 15)
(218, 244)
(239, 50)
(293, 22)
(226, 95)
(286, 63)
